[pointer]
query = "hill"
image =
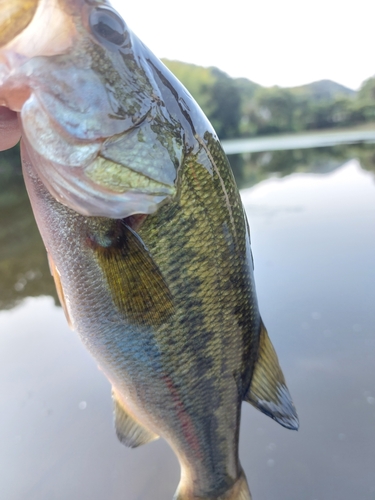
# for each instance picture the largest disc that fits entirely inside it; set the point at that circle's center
(238, 107)
(324, 90)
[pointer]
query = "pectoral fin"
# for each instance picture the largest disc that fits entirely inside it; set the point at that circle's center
(129, 431)
(268, 391)
(137, 286)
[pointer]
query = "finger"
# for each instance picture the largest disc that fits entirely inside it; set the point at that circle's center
(9, 130)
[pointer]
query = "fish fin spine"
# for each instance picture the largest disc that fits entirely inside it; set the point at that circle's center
(268, 391)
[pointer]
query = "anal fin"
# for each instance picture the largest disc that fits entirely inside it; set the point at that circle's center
(129, 431)
(268, 391)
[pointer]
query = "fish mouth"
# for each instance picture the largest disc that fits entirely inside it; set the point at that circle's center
(27, 30)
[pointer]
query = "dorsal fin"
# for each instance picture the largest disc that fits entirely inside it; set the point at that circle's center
(268, 391)
(129, 431)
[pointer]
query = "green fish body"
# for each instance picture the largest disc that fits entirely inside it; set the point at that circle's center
(160, 286)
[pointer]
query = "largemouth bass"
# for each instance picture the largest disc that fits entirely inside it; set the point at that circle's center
(146, 236)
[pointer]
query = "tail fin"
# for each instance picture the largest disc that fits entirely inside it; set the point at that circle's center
(239, 491)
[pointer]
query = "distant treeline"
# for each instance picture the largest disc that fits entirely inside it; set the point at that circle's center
(238, 107)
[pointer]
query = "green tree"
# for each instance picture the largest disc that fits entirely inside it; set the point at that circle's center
(364, 107)
(273, 110)
(224, 105)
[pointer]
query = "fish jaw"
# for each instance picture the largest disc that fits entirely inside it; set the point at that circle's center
(85, 110)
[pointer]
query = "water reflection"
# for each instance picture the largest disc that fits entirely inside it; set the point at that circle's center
(24, 270)
(23, 266)
(56, 431)
(314, 251)
(251, 168)
(311, 220)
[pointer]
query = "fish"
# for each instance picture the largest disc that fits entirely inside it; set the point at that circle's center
(146, 236)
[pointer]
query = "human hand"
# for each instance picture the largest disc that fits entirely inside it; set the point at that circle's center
(10, 132)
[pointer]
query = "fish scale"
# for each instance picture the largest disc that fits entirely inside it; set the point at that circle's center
(214, 314)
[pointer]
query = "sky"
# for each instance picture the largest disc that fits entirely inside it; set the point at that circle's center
(271, 42)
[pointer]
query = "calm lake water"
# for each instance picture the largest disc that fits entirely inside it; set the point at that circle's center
(312, 216)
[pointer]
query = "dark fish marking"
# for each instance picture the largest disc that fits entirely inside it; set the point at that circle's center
(167, 84)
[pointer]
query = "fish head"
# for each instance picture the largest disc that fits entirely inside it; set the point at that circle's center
(96, 124)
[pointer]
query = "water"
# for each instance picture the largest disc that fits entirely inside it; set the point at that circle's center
(299, 141)
(311, 215)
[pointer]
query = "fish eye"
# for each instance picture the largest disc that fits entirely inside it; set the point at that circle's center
(108, 26)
